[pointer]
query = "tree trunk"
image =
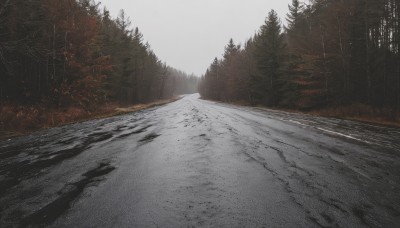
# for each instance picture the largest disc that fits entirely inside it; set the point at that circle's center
(324, 63)
(54, 51)
(398, 56)
(398, 87)
(386, 48)
(367, 69)
(345, 77)
(164, 79)
(65, 57)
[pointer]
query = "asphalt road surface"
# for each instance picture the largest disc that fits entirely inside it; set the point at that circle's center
(196, 163)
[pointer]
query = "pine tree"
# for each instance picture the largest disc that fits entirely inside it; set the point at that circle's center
(293, 17)
(231, 49)
(269, 50)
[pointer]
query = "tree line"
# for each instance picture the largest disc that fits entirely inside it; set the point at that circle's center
(70, 52)
(332, 52)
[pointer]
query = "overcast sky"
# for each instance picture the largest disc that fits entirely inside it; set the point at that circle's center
(189, 34)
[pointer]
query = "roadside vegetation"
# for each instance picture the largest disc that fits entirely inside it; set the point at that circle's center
(334, 58)
(66, 60)
(21, 120)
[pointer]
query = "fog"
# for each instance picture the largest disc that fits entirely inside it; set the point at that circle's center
(189, 34)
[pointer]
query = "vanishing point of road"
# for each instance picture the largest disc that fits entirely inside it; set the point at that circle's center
(196, 163)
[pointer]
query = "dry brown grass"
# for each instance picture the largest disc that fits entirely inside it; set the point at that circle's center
(356, 112)
(16, 120)
(363, 113)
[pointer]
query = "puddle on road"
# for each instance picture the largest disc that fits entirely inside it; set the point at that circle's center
(49, 213)
(141, 130)
(148, 138)
(18, 170)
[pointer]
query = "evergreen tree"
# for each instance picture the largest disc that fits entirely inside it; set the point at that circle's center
(294, 15)
(228, 72)
(67, 53)
(231, 49)
(270, 46)
(337, 53)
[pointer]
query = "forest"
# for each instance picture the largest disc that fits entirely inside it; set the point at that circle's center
(330, 54)
(72, 52)
(69, 53)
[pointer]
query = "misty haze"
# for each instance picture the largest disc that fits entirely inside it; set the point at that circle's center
(211, 113)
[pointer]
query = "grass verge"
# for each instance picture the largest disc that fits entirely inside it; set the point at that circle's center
(21, 120)
(356, 112)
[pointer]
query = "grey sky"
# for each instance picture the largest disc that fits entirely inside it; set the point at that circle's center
(189, 34)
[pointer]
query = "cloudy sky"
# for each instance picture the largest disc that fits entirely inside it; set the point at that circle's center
(189, 34)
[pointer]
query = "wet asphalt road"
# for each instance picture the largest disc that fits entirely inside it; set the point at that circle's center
(195, 163)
